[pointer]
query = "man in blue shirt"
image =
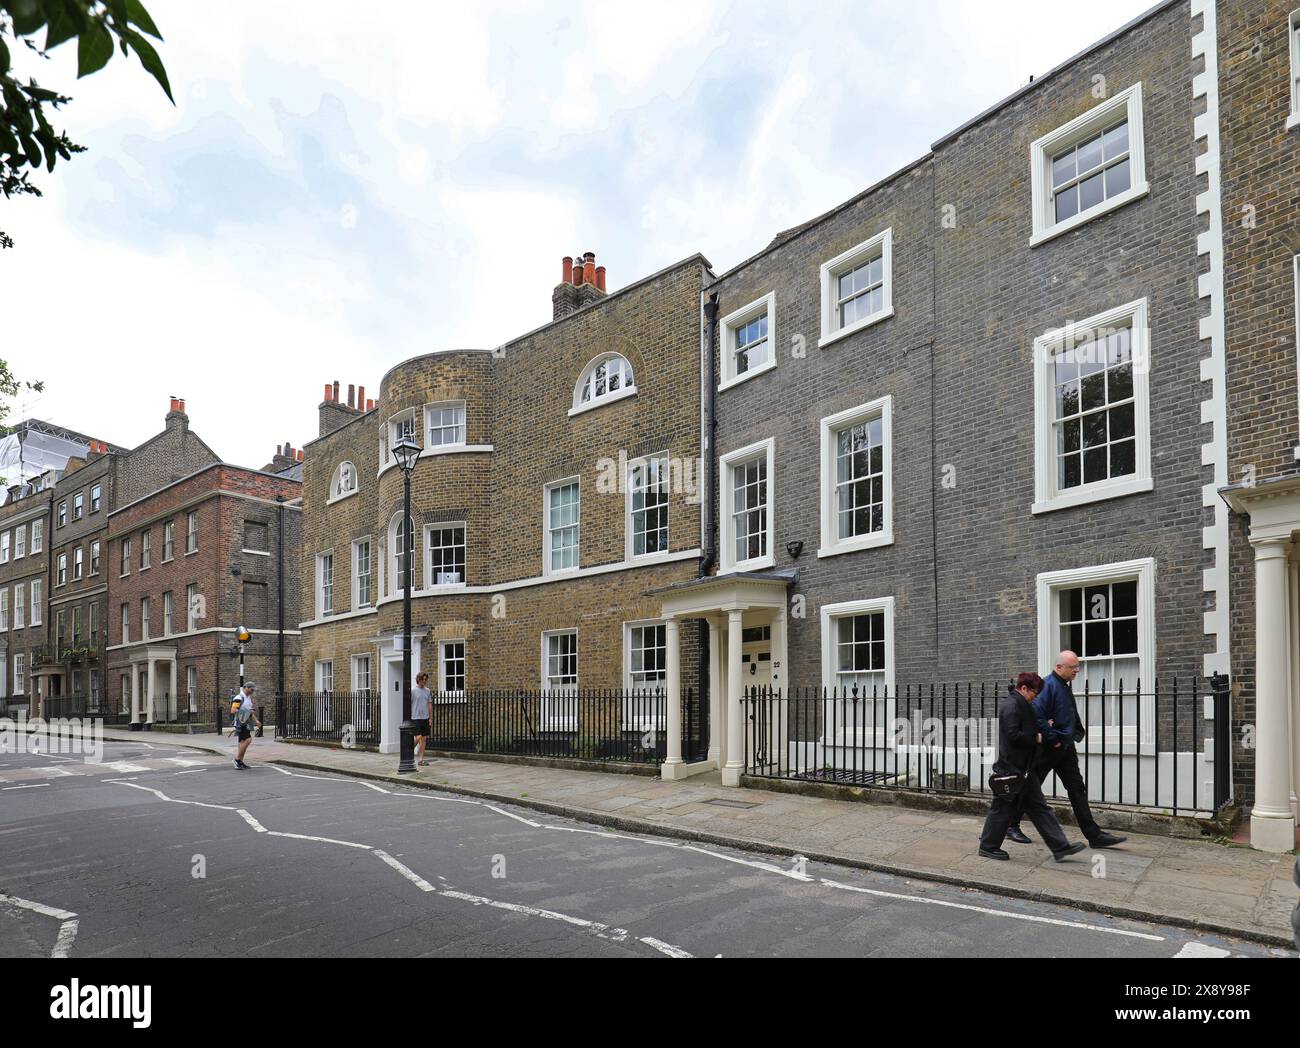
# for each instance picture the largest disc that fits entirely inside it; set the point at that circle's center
(1058, 716)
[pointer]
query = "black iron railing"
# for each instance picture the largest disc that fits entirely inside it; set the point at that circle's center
(605, 725)
(1164, 747)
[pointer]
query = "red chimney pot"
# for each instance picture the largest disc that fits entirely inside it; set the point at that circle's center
(589, 269)
(352, 395)
(361, 398)
(568, 270)
(600, 278)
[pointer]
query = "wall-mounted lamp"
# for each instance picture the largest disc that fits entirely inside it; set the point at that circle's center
(794, 549)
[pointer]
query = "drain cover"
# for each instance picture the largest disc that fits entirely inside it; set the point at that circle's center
(730, 804)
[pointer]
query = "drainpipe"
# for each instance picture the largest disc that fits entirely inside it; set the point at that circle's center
(710, 431)
(709, 502)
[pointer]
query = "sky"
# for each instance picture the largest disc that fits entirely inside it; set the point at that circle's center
(341, 186)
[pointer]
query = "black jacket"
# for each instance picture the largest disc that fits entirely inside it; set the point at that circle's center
(1017, 734)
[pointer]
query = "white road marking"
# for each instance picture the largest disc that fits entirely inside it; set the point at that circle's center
(377, 789)
(251, 821)
(123, 766)
(67, 936)
(192, 771)
(318, 840)
(57, 772)
(186, 762)
(36, 907)
(406, 872)
(992, 912)
(512, 815)
(603, 931)
(666, 948)
(29, 786)
(67, 929)
(1200, 949)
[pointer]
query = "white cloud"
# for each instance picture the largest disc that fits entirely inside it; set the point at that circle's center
(335, 192)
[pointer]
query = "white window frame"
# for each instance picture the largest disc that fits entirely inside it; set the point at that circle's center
(192, 686)
(357, 602)
(78, 564)
(169, 612)
(430, 579)
(431, 448)
(881, 244)
(1144, 573)
(4, 548)
(629, 545)
(324, 585)
(881, 736)
(20, 606)
(445, 694)
(1048, 497)
(580, 406)
(169, 540)
(731, 325)
(124, 549)
(547, 570)
(4, 610)
(1293, 46)
(391, 440)
(20, 674)
(636, 715)
(20, 542)
(370, 670)
(191, 600)
(78, 505)
(394, 566)
(38, 536)
(96, 498)
(191, 532)
(335, 495)
(146, 550)
(126, 622)
(144, 618)
(94, 558)
(325, 676)
(61, 570)
(551, 721)
(728, 545)
(37, 601)
(1080, 129)
(831, 544)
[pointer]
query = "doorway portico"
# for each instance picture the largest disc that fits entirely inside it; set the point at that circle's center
(391, 681)
(747, 622)
(1274, 510)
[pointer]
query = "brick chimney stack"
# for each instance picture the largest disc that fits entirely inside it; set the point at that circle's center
(176, 417)
(582, 283)
(334, 413)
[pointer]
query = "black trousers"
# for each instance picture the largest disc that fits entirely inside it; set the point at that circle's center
(1029, 801)
(1065, 762)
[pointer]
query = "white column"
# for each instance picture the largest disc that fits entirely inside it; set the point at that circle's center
(1272, 824)
(717, 725)
(1293, 661)
(776, 723)
(735, 752)
(135, 691)
(673, 669)
(148, 695)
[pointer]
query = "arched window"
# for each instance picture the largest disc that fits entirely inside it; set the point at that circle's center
(396, 555)
(344, 482)
(608, 377)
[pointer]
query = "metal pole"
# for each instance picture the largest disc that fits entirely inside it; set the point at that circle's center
(281, 726)
(406, 763)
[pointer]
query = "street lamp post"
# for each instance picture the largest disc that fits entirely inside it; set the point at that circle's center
(407, 453)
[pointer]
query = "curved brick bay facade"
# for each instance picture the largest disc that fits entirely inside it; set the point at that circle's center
(532, 564)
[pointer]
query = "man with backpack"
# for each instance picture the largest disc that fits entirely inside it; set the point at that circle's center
(245, 719)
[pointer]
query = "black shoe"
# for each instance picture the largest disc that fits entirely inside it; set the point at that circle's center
(1065, 853)
(1014, 834)
(994, 853)
(1107, 840)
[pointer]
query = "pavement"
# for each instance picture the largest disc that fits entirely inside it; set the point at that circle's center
(1208, 887)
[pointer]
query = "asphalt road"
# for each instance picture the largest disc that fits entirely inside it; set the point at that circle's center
(167, 852)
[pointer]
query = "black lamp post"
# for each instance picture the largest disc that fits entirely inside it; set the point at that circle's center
(407, 453)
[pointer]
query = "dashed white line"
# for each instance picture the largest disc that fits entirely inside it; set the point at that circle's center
(250, 820)
(320, 840)
(1200, 949)
(665, 948)
(990, 911)
(406, 872)
(67, 936)
(29, 786)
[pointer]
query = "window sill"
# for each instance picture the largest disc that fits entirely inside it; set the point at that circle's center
(256, 552)
(1042, 236)
(761, 564)
(190, 552)
(737, 380)
(342, 498)
(876, 541)
(853, 329)
(1293, 121)
(454, 449)
(1094, 493)
(613, 398)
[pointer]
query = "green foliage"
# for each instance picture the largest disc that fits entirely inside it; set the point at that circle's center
(11, 387)
(27, 138)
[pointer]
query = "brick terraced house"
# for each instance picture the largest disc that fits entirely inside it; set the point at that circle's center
(557, 487)
(194, 550)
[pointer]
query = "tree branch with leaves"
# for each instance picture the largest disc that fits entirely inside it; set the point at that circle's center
(28, 139)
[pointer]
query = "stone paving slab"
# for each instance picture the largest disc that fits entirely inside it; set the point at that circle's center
(1199, 884)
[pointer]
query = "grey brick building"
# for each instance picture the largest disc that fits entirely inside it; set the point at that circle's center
(974, 415)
